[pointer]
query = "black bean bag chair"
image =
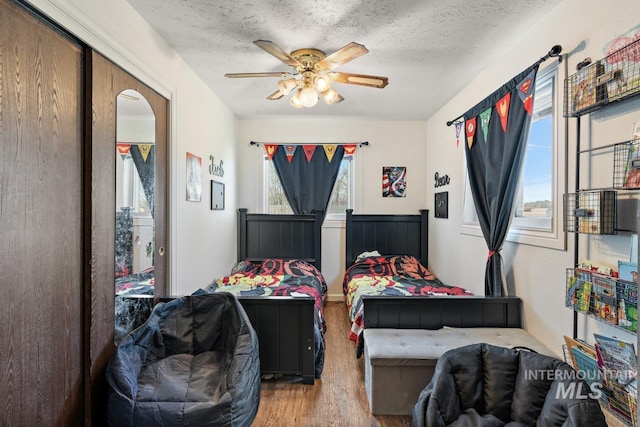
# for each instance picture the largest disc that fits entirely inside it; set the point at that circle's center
(484, 385)
(194, 362)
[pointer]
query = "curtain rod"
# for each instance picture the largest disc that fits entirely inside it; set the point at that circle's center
(360, 144)
(554, 52)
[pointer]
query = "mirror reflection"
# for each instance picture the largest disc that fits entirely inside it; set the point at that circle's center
(134, 239)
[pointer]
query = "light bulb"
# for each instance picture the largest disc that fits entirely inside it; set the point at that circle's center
(295, 99)
(330, 96)
(308, 96)
(287, 85)
(322, 83)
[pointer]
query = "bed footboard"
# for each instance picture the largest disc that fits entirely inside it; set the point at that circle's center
(285, 329)
(434, 312)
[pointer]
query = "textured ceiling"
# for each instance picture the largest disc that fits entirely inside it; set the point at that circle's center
(428, 49)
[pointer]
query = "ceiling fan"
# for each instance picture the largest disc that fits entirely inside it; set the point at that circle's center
(314, 75)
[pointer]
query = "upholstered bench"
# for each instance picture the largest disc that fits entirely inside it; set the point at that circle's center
(399, 363)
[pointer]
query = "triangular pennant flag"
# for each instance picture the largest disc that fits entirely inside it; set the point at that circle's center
(470, 130)
(145, 149)
(349, 150)
(484, 122)
(502, 106)
(329, 150)
(525, 91)
(290, 151)
(270, 149)
(308, 151)
(458, 130)
(123, 149)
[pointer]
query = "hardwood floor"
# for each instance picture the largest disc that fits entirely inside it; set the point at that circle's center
(337, 399)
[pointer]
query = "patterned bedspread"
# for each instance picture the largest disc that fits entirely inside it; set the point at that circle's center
(278, 277)
(136, 284)
(393, 275)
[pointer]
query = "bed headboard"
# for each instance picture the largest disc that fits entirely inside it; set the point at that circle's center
(262, 236)
(388, 234)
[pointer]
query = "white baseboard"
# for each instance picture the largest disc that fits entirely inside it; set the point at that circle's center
(335, 297)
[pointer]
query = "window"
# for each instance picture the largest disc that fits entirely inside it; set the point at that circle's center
(536, 209)
(341, 197)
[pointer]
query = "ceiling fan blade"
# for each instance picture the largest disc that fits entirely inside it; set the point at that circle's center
(275, 95)
(277, 51)
(242, 75)
(341, 56)
(359, 79)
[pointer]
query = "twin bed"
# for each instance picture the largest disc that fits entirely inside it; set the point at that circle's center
(278, 282)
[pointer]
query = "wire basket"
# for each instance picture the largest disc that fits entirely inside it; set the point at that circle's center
(590, 212)
(613, 78)
(626, 165)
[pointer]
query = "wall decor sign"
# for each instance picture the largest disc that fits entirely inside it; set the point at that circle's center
(216, 170)
(442, 204)
(194, 180)
(217, 196)
(394, 181)
(441, 180)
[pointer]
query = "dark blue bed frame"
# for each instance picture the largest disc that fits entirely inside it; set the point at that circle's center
(284, 324)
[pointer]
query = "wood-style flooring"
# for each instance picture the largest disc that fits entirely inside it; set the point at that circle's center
(337, 399)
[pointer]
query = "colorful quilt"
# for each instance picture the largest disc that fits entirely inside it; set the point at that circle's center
(279, 277)
(136, 284)
(392, 275)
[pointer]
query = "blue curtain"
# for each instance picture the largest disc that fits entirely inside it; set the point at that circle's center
(308, 185)
(497, 131)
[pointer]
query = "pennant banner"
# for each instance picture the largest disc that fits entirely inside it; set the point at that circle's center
(123, 149)
(308, 151)
(484, 122)
(470, 129)
(525, 91)
(502, 106)
(330, 150)
(290, 151)
(145, 149)
(349, 150)
(271, 150)
(458, 130)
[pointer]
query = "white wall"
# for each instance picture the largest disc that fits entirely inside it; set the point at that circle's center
(392, 143)
(537, 273)
(202, 242)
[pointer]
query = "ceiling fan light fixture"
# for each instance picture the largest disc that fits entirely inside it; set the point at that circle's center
(287, 85)
(295, 100)
(322, 83)
(330, 96)
(308, 96)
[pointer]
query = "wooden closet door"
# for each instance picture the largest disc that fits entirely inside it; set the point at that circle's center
(107, 81)
(41, 213)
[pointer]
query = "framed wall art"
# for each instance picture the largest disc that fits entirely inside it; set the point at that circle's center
(442, 205)
(394, 181)
(217, 196)
(194, 178)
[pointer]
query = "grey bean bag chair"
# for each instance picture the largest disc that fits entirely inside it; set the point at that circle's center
(484, 385)
(193, 362)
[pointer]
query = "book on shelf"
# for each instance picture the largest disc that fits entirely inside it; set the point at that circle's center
(627, 297)
(628, 271)
(632, 166)
(584, 359)
(579, 290)
(618, 361)
(603, 298)
(583, 87)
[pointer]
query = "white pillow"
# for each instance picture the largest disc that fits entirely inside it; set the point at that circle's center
(364, 255)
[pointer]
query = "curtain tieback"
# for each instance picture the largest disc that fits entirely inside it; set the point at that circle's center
(491, 253)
